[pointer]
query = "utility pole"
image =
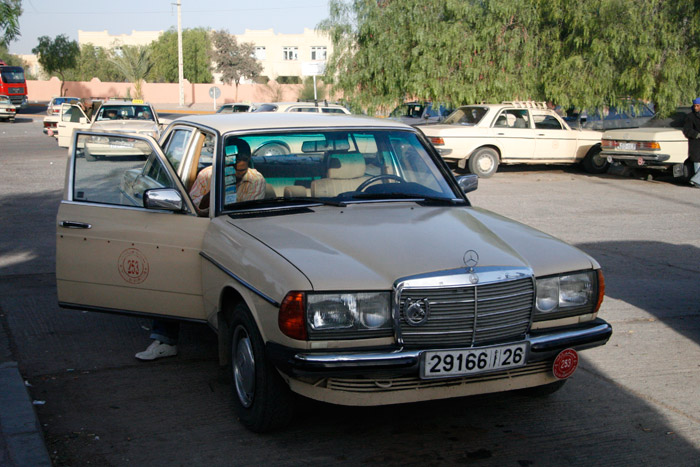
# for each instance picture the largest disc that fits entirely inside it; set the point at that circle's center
(180, 71)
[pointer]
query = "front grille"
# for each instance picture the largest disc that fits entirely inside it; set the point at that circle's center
(465, 316)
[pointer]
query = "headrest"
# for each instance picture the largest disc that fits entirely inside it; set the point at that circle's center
(346, 165)
(510, 118)
(323, 146)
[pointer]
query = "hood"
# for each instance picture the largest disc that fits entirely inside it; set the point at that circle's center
(370, 246)
(645, 134)
(125, 126)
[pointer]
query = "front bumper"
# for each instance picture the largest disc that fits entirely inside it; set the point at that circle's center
(543, 345)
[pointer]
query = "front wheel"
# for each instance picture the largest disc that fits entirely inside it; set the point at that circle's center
(484, 162)
(594, 163)
(261, 399)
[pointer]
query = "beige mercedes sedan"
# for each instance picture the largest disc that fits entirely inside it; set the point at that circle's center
(356, 272)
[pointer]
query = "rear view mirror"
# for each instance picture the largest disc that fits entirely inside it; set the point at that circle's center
(163, 199)
(468, 183)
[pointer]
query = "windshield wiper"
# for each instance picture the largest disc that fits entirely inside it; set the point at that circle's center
(280, 201)
(407, 196)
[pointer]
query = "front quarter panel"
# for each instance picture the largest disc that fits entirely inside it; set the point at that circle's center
(260, 275)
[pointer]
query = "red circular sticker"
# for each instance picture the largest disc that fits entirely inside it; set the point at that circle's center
(133, 266)
(565, 364)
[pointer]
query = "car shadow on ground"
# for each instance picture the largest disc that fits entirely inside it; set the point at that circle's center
(660, 278)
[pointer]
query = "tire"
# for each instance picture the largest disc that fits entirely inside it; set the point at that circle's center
(593, 163)
(262, 400)
(483, 162)
(546, 390)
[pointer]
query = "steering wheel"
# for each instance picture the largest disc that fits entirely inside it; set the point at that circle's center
(371, 180)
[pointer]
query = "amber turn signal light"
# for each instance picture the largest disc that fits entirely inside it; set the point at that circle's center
(601, 290)
(291, 316)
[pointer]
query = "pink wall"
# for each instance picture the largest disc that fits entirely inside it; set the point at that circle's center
(165, 93)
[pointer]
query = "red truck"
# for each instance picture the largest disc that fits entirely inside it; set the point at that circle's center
(13, 85)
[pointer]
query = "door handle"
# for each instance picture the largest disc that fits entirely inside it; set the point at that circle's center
(74, 225)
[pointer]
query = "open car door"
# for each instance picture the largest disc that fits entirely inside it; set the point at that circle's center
(71, 118)
(127, 238)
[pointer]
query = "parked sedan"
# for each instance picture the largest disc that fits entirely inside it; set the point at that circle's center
(420, 113)
(8, 111)
(659, 144)
(310, 286)
(632, 115)
(481, 137)
(235, 108)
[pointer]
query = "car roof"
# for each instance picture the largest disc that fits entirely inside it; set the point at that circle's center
(283, 121)
(124, 102)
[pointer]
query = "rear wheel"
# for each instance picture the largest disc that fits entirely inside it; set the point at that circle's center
(483, 162)
(261, 399)
(594, 163)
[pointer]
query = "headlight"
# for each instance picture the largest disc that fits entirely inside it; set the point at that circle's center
(351, 315)
(98, 140)
(575, 292)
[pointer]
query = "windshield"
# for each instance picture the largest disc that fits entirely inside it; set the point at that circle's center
(469, 115)
(676, 120)
(124, 112)
(266, 108)
(331, 167)
(4, 100)
(12, 75)
(57, 101)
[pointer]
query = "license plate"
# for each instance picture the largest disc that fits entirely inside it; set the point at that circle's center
(627, 146)
(450, 363)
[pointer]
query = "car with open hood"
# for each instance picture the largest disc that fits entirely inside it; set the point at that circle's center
(481, 137)
(360, 275)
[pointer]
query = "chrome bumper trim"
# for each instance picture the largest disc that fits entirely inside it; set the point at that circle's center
(542, 345)
(634, 157)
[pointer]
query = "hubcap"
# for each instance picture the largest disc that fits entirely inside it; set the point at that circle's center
(243, 367)
(485, 163)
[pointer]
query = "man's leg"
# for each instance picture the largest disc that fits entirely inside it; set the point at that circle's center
(696, 178)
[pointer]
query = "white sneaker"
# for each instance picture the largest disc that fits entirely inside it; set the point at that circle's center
(157, 350)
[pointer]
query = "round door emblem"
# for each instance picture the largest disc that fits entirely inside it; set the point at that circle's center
(133, 266)
(416, 311)
(565, 364)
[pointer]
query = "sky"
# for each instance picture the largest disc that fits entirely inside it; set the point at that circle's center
(54, 17)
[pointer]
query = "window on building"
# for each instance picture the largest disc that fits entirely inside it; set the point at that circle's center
(260, 53)
(291, 53)
(318, 53)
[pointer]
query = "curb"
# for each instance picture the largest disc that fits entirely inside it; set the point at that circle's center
(21, 439)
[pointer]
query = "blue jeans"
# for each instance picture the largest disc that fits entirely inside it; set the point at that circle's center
(165, 331)
(696, 177)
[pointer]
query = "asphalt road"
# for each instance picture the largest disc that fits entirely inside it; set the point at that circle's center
(635, 401)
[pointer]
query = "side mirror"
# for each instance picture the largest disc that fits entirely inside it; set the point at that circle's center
(468, 183)
(163, 199)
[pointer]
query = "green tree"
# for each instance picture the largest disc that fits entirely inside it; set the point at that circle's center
(94, 62)
(10, 11)
(57, 55)
(134, 62)
(465, 51)
(10, 59)
(196, 49)
(234, 61)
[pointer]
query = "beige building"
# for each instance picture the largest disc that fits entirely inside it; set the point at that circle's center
(279, 54)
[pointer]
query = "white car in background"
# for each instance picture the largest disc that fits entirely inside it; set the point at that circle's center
(483, 136)
(658, 144)
(112, 116)
(314, 107)
(7, 109)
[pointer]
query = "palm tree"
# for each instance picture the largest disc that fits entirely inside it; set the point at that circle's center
(134, 62)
